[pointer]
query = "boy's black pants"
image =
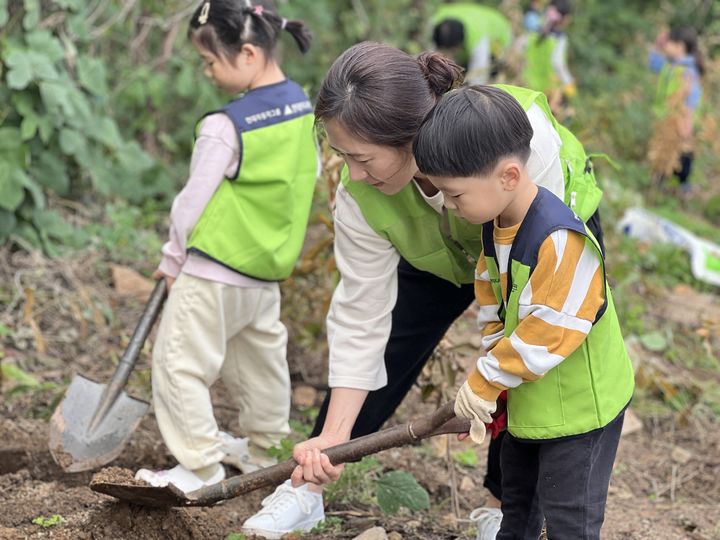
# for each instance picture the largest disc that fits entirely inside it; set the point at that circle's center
(563, 482)
(426, 307)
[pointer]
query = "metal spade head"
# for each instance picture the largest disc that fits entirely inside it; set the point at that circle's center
(154, 497)
(81, 436)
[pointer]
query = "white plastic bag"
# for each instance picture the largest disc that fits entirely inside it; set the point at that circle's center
(704, 255)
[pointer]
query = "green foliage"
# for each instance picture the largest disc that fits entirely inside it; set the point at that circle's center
(712, 209)
(236, 536)
(466, 458)
(283, 451)
(400, 489)
(57, 135)
(76, 107)
(364, 483)
(330, 525)
(357, 483)
(52, 521)
(24, 382)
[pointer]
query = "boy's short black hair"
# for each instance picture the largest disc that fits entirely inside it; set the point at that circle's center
(470, 130)
(449, 34)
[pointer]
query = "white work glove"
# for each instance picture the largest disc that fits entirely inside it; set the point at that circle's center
(469, 405)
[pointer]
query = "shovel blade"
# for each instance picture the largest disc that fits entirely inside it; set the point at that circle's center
(73, 445)
(154, 497)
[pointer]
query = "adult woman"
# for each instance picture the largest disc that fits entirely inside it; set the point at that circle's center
(403, 260)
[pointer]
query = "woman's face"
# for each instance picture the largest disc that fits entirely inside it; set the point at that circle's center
(385, 168)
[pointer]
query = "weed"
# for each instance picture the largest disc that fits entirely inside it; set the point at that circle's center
(331, 524)
(466, 458)
(357, 483)
(52, 521)
(283, 451)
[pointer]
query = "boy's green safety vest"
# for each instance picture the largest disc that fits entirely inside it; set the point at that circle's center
(478, 22)
(446, 245)
(255, 222)
(590, 387)
(538, 72)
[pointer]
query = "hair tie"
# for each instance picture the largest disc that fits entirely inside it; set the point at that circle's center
(283, 24)
(204, 13)
(258, 10)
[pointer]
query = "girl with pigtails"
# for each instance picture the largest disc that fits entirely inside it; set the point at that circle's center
(236, 230)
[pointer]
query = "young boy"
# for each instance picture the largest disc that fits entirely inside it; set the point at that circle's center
(549, 327)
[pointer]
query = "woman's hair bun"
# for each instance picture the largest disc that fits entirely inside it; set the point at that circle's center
(440, 71)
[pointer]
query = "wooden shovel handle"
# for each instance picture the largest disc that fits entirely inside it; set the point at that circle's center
(441, 422)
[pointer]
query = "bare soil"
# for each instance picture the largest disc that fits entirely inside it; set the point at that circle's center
(66, 318)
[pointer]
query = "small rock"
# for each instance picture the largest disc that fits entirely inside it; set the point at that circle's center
(467, 484)
(304, 396)
(376, 533)
(394, 535)
(631, 424)
(680, 455)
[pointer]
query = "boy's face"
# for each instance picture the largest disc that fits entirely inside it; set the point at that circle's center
(479, 199)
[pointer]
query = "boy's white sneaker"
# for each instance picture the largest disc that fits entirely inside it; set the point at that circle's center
(183, 479)
(487, 520)
(239, 454)
(287, 509)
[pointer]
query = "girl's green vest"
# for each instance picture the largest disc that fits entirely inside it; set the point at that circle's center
(446, 245)
(255, 222)
(478, 22)
(590, 387)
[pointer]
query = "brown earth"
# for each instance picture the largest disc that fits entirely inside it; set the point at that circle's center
(66, 318)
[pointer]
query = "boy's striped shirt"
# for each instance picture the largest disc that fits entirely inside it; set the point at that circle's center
(557, 308)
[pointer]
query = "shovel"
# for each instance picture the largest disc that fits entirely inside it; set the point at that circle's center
(92, 423)
(442, 421)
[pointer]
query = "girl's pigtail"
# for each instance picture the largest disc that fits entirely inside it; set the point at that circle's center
(300, 33)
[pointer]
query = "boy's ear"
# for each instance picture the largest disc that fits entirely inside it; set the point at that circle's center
(511, 174)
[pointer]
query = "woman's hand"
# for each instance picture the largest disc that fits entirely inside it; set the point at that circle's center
(314, 466)
(169, 280)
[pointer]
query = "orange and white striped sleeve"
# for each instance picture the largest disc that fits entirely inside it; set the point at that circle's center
(490, 325)
(556, 310)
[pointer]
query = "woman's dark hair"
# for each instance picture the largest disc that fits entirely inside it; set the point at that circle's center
(470, 130)
(448, 34)
(689, 37)
(224, 26)
(382, 94)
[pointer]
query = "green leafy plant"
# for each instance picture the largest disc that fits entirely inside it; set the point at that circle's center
(331, 524)
(52, 521)
(466, 458)
(235, 536)
(397, 489)
(365, 483)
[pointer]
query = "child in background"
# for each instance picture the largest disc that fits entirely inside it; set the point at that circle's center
(549, 327)
(237, 228)
(532, 18)
(475, 36)
(546, 68)
(678, 61)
